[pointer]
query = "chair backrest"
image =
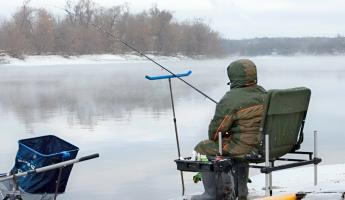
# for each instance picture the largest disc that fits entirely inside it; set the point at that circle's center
(284, 117)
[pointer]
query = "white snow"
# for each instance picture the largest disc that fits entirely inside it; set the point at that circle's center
(84, 59)
(331, 182)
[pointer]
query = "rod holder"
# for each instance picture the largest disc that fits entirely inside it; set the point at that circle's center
(152, 78)
(220, 144)
(315, 156)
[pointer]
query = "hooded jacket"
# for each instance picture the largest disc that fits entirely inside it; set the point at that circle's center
(238, 114)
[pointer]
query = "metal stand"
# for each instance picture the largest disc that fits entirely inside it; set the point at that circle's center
(169, 77)
(220, 144)
(315, 156)
(268, 176)
(176, 134)
(58, 183)
(270, 167)
(15, 194)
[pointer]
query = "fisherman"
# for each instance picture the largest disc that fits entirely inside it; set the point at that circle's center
(237, 117)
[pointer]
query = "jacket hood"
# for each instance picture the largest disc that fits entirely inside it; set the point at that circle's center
(242, 73)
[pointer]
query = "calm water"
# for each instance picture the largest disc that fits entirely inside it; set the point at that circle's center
(113, 110)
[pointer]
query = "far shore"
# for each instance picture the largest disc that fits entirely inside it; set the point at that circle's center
(80, 59)
(123, 58)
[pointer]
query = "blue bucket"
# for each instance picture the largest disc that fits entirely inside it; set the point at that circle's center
(39, 152)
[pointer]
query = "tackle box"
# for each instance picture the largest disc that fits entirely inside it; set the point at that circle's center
(223, 165)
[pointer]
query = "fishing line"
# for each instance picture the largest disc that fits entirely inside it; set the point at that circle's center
(100, 29)
(152, 60)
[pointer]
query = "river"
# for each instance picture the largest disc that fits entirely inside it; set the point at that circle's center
(111, 109)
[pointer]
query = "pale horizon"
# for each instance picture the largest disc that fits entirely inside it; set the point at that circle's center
(236, 19)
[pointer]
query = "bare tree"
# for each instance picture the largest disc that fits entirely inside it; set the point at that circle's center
(109, 20)
(19, 30)
(43, 33)
(35, 31)
(160, 23)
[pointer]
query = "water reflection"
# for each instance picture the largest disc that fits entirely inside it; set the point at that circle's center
(113, 110)
(84, 96)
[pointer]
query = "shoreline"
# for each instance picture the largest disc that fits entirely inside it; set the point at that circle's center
(6, 60)
(82, 59)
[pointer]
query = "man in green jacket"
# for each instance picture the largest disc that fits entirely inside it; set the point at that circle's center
(237, 117)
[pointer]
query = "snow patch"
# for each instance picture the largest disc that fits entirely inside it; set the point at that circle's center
(331, 182)
(83, 59)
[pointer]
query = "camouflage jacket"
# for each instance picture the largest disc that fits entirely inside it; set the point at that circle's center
(238, 115)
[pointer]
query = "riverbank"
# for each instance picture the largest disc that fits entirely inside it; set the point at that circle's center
(82, 59)
(33, 60)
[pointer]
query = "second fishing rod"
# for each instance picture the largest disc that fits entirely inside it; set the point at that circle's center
(152, 60)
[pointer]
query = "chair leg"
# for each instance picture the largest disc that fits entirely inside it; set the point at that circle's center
(271, 183)
(267, 164)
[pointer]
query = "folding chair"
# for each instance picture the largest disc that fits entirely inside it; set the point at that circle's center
(282, 131)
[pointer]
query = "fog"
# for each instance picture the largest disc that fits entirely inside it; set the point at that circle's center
(113, 110)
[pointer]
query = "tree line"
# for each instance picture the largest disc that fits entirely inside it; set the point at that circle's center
(35, 31)
(285, 46)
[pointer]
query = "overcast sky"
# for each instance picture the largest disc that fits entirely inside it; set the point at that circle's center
(236, 19)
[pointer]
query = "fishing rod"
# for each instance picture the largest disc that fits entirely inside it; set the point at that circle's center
(100, 29)
(173, 75)
(152, 60)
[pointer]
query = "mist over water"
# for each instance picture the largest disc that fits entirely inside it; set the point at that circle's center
(113, 110)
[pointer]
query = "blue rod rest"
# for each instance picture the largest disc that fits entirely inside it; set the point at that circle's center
(152, 78)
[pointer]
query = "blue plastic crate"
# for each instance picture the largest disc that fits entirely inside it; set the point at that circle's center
(39, 152)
